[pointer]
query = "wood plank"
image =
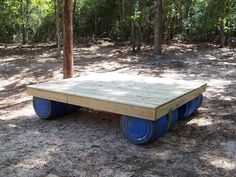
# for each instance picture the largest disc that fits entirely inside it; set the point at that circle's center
(104, 105)
(47, 95)
(115, 107)
(152, 97)
(175, 103)
(94, 96)
(139, 96)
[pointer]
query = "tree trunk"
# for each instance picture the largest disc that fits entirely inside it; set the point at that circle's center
(170, 30)
(27, 21)
(133, 36)
(22, 22)
(140, 24)
(68, 39)
(4, 36)
(222, 33)
(139, 37)
(122, 17)
(58, 31)
(74, 8)
(158, 28)
(95, 22)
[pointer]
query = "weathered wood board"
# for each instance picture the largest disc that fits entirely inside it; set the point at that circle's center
(134, 95)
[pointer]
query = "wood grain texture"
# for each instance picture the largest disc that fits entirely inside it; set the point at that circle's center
(139, 96)
(68, 68)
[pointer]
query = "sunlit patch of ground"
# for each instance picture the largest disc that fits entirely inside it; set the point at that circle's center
(89, 143)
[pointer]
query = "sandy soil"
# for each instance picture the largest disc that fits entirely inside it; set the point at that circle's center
(89, 143)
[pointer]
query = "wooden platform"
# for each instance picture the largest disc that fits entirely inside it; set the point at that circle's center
(133, 95)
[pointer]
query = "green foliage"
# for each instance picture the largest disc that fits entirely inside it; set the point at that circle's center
(195, 20)
(30, 14)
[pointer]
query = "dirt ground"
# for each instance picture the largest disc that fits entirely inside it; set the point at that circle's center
(89, 143)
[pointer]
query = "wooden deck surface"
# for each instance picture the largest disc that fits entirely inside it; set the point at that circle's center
(134, 95)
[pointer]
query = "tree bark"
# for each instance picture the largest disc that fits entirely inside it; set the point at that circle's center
(133, 36)
(4, 36)
(27, 21)
(68, 40)
(139, 37)
(95, 22)
(122, 17)
(58, 31)
(23, 22)
(140, 25)
(158, 28)
(222, 33)
(74, 8)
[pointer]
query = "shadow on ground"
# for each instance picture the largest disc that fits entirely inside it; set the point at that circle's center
(89, 143)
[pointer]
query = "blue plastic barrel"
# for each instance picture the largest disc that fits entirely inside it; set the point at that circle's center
(161, 124)
(200, 101)
(141, 131)
(48, 109)
(189, 108)
(193, 105)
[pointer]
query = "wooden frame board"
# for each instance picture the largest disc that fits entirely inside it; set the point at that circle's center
(134, 95)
